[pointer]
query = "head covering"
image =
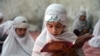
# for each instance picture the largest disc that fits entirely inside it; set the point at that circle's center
(15, 45)
(79, 24)
(82, 12)
(4, 30)
(95, 41)
(20, 22)
(6, 26)
(55, 13)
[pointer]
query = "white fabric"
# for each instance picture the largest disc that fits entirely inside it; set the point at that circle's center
(54, 11)
(6, 26)
(17, 46)
(56, 18)
(78, 24)
(45, 37)
(18, 22)
(1, 16)
(95, 41)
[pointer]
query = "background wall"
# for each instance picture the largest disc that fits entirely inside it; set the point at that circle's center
(34, 10)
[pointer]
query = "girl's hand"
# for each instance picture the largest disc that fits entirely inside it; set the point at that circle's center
(85, 31)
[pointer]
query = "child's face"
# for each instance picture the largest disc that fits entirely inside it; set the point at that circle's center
(55, 28)
(82, 17)
(21, 32)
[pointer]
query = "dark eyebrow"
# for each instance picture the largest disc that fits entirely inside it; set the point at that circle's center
(48, 24)
(59, 24)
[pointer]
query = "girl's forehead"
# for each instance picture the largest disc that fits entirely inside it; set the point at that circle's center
(21, 28)
(82, 15)
(54, 23)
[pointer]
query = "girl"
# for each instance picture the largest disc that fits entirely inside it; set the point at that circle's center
(81, 26)
(18, 42)
(55, 29)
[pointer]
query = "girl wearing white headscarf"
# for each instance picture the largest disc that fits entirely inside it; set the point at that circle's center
(54, 13)
(4, 30)
(81, 25)
(92, 47)
(16, 45)
(5, 27)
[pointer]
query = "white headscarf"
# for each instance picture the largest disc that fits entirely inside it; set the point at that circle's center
(55, 13)
(78, 24)
(20, 22)
(15, 45)
(95, 41)
(6, 26)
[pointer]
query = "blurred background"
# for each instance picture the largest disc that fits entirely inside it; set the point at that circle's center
(34, 10)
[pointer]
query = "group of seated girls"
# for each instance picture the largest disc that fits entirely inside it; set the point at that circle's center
(55, 39)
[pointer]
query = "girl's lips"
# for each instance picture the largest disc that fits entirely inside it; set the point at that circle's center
(55, 34)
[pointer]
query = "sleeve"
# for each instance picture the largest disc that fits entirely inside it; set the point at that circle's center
(2, 25)
(75, 25)
(95, 42)
(36, 52)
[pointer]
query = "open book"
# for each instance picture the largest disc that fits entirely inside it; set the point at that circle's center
(56, 46)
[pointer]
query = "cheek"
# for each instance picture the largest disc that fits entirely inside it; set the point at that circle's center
(18, 32)
(82, 18)
(60, 30)
(49, 29)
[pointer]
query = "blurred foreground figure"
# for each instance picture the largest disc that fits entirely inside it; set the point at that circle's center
(92, 47)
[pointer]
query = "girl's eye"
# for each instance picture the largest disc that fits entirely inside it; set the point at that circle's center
(22, 29)
(50, 26)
